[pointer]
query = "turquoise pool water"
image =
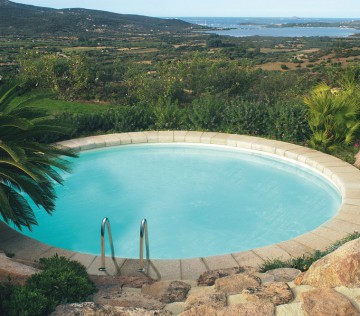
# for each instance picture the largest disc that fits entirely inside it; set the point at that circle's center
(198, 201)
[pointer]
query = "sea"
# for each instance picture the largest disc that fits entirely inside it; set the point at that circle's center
(251, 26)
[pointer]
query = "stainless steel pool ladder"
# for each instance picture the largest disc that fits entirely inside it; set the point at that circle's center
(143, 232)
(106, 222)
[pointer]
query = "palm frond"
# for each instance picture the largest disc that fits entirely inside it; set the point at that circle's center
(14, 208)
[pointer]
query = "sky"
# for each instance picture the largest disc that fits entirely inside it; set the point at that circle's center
(214, 8)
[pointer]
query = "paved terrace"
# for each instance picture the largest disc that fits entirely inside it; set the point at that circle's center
(344, 176)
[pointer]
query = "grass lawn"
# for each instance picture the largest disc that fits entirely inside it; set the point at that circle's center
(44, 101)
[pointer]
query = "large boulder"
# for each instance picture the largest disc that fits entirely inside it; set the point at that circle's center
(167, 291)
(234, 284)
(341, 267)
(326, 302)
(215, 300)
(284, 274)
(275, 292)
(208, 278)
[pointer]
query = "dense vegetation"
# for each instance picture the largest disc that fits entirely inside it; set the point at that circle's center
(153, 75)
(61, 281)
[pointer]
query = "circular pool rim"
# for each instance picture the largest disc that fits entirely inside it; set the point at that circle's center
(344, 177)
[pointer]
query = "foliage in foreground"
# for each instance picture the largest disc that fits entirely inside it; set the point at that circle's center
(62, 281)
(303, 263)
(27, 165)
(333, 116)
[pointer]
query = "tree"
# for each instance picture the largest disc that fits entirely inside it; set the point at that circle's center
(67, 76)
(29, 169)
(333, 116)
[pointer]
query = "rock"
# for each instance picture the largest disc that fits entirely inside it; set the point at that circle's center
(92, 309)
(102, 281)
(298, 290)
(299, 278)
(293, 309)
(201, 310)
(215, 300)
(264, 277)
(248, 309)
(353, 294)
(167, 291)
(175, 308)
(284, 274)
(275, 292)
(202, 290)
(235, 299)
(341, 267)
(327, 302)
(114, 296)
(17, 272)
(209, 277)
(234, 284)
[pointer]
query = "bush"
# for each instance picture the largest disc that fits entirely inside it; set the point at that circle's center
(287, 121)
(21, 301)
(61, 281)
(245, 117)
(168, 115)
(207, 113)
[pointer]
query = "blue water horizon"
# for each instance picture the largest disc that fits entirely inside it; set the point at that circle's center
(269, 26)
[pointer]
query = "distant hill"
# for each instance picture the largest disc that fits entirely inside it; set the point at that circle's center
(21, 19)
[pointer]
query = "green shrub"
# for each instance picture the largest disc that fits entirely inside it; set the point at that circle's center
(244, 117)
(61, 281)
(168, 115)
(22, 301)
(207, 113)
(287, 121)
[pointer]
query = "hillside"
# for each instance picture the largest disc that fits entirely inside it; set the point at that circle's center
(21, 19)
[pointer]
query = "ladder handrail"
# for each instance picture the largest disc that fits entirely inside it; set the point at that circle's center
(107, 222)
(143, 231)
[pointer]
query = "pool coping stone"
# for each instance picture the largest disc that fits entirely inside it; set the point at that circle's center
(345, 177)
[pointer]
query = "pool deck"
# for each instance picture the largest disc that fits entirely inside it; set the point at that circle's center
(347, 220)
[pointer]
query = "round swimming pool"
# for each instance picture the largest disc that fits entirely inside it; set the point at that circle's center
(199, 200)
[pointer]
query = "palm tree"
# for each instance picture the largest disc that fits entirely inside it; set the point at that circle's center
(333, 116)
(29, 169)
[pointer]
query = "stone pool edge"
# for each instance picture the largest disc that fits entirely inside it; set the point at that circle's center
(343, 175)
